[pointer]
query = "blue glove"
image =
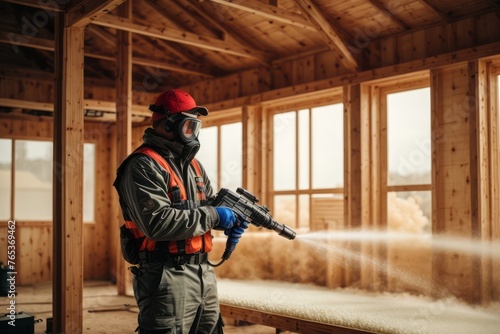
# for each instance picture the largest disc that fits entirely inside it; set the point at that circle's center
(234, 234)
(233, 237)
(227, 218)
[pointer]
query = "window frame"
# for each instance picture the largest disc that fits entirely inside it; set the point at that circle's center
(325, 98)
(383, 89)
(219, 119)
(41, 222)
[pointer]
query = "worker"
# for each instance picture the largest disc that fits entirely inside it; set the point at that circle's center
(164, 194)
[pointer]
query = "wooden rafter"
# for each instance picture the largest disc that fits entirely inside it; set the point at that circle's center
(176, 49)
(272, 12)
(104, 33)
(380, 7)
(220, 30)
(180, 36)
(52, 6)
(234, 36)
(48, 45)
(436, 10)
(169, 18)
(164, 64)
(328, 32)
(33, 42)
(85, 11)
(194, 6)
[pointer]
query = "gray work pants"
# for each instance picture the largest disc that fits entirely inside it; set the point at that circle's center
(177, 300)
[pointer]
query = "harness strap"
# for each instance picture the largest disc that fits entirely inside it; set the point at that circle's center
(200, 185)
(178, 195)
(176, 185)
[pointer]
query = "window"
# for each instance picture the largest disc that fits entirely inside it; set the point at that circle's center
(5, 178)
(222, 159)
(328, 147)
(409, 161)
(33, 180)
(308, 166)
(285, 151)
(208, 153)
(88, 182)
(409, 137)
(31, 195)
(231, 156)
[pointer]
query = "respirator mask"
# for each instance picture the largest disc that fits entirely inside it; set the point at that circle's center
(185, 127)
(175, 112)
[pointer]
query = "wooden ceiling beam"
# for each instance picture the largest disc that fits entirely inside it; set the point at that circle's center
(32, 42)
(223, 32)
(52, 6)
(220, 33)
(104, 106)
(24, 104)
(233, 36)
(179, 36)
(271, 12)
(166, 66)
(436, 10)
(83, 12)
(156, 63)
(384, 11)
(179, 51)
(103, 33)
(48, 45)
(328, 32)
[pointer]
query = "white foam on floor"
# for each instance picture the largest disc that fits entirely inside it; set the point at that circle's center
(376, 312)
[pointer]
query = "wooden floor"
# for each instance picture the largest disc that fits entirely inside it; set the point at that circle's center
(104, 311)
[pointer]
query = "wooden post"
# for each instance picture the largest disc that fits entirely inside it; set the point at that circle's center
(367, 186)
(266, 164)
(123, 120)
(482, 178)
(251, 149)
(461, 185)
(352, 174)
(494, 120)
(378, 179)
(67, 279)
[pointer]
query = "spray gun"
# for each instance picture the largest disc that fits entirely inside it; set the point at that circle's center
(244, 204)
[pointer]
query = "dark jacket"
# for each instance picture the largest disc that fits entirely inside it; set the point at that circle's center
(142, 187)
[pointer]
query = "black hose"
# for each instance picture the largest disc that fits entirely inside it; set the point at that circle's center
(217, 264)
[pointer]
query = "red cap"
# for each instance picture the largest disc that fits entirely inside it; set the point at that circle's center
(175, 101)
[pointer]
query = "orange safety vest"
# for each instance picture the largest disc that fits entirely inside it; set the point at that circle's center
(200, 243)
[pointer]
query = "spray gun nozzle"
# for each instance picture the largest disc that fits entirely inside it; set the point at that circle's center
(285, 231)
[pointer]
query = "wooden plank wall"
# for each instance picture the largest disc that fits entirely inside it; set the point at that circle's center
(433, 41)
(461, 178)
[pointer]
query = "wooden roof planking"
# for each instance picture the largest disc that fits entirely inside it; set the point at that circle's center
(195, 40)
